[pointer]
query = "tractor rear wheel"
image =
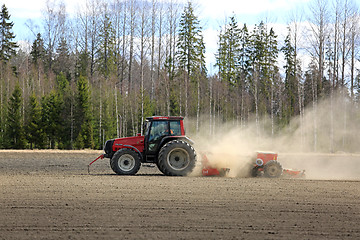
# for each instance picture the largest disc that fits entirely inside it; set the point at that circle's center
(125, 162)
(273, 169)
(176, 158)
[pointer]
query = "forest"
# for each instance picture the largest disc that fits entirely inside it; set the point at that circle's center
(97, 74)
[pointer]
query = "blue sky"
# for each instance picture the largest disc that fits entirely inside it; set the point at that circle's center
(212, 13)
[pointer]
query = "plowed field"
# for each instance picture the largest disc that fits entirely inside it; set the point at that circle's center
(50, 195)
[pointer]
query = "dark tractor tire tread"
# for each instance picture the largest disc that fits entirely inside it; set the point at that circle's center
(162, 158)
(115, 159)
(268, 172)
(254, 171)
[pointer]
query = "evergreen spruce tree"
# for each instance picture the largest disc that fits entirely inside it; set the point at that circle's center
(190, 41)
(52, 107)
(37, 50)
(263, 60)
(106, 51)
(221, 56)
(33, 128)
(82, 64)
(83, 118)
(257, 62)
(7, 44)
(14, 132)
(244, 54)
(191, 49)
(62, 60)
(290, 79)
(228, 56)
(66, 98)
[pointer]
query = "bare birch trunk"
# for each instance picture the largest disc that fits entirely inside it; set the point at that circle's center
(345, 118)
(332, 119)
(256, 109)
(72, 124)
(159, 44)
(100, 115)
(142, 53)
(314, 92)
(272, 109)
(131, 53)
(152, 50)
(180, 97)
(198, 106)
(122, 77)
(210, 106)
(117, 113)
(186, 93)
(242, 110)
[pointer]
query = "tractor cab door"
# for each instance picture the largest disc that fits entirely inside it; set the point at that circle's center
(155, 133)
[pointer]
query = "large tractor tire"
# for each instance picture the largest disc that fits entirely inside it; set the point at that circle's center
(125, 162)
(254, 171)
(273, 169)
(176, 158)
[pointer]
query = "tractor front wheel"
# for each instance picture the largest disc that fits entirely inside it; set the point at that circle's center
(273, 169)
(125, 162)
(176, 158)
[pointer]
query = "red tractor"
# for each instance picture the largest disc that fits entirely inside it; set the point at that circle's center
(164, 143)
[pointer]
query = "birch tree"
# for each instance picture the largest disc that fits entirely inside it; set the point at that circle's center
(318, 24)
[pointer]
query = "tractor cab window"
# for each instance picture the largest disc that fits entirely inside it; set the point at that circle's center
(175, 128)
(158, 129)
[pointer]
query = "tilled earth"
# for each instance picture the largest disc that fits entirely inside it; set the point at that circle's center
(50, 195)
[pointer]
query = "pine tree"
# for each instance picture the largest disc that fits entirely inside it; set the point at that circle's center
(33, 128)
(14, 132)
(7, 44)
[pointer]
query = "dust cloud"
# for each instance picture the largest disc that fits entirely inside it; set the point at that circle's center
(324, 142)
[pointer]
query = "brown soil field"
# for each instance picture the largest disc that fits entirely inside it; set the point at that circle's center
(50, 195)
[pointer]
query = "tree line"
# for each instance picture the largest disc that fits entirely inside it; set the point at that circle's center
(97, 75)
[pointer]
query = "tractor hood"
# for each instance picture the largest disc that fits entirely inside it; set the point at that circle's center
(131, 142)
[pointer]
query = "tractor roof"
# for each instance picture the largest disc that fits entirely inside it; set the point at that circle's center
(154, 118)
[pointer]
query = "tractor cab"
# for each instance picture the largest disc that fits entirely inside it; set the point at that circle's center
(158, 131)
